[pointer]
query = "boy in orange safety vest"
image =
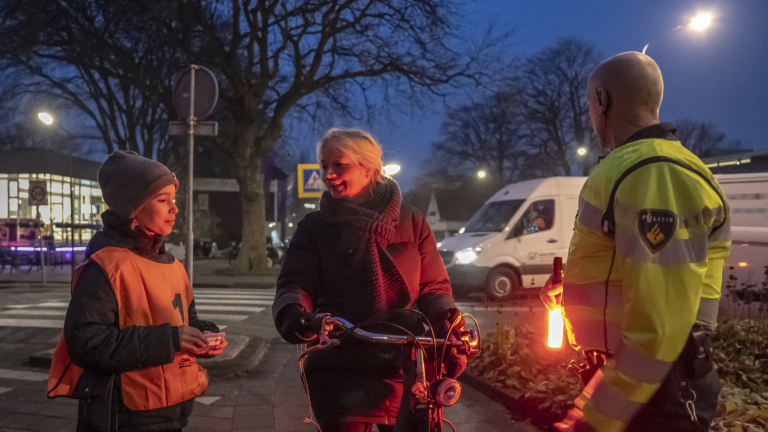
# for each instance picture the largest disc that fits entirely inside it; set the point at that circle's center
(131, 334)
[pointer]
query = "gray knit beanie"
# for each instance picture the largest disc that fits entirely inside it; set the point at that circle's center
(128, 181)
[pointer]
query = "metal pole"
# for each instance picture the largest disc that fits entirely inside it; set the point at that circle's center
(72, 215)
(40, 237)
(191, 121)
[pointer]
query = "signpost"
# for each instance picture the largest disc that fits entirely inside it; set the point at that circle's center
(310, 181)
(38, 195)
(195, 93)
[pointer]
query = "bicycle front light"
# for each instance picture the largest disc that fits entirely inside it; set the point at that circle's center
(445, 391)
(466, 256)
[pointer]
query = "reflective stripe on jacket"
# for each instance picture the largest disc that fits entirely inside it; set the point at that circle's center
(637, 294)
(148, 293)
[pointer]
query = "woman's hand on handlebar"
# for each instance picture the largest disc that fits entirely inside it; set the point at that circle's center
(296, 325)
(453, 363)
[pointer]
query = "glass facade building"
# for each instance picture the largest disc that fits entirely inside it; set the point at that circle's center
(74, 205)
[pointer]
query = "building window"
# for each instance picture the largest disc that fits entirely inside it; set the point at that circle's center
(3, 199)
(202, 202)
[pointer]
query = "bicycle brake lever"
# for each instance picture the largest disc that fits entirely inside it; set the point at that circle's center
(325, 342)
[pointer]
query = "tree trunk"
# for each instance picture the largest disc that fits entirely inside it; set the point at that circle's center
(253, 250)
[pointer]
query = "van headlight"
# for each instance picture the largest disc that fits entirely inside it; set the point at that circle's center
(466, 256)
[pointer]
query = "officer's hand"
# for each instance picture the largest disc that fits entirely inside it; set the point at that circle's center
(551, 294)
(573, 422)
(191, 339)
(219, 348)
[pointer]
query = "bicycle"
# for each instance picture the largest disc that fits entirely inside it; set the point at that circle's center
(15, 260)
(427, 397)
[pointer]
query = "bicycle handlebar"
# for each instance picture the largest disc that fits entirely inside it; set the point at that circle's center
(469, 342)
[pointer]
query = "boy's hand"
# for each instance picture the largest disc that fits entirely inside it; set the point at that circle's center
(192, 340)
(213, 352)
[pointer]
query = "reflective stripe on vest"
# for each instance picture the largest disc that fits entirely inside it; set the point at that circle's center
(150, 293)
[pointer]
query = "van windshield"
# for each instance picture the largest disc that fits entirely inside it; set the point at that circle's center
(493, 216)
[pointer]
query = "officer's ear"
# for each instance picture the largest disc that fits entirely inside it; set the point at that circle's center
(603, 100)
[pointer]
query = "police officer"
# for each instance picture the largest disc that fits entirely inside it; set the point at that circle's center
(644, 269)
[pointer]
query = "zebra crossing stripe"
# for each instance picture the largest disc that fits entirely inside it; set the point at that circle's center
(38, 323)
(207, 400)
(223, 317)
(32, 312)
(203, 308)
(23, 375)
(232, 291)
(235, 296)
(4, 389)
(212, 301)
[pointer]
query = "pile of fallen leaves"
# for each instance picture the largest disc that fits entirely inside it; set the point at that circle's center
(518, 362)
(741, 355)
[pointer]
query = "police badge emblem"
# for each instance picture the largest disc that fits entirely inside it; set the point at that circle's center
(656, 227)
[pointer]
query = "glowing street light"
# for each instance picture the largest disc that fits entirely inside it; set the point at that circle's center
(581, 151)
(391, 169)
(45, 118)
(481, 174)
(700, 21)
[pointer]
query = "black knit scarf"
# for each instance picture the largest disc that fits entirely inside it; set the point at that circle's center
(371, 228)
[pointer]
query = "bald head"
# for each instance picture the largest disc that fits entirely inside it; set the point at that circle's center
(625, 92)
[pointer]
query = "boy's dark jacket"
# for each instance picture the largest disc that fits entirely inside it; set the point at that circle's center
(97, 344)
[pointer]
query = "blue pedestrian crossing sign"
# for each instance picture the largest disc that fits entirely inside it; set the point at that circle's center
(310, 181)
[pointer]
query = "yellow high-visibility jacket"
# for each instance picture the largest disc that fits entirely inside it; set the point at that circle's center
(636, 282)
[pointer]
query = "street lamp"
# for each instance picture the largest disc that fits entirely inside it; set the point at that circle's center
(45, 118)
(582, 152)
(699, 22)
(481, 174)
(391, 169)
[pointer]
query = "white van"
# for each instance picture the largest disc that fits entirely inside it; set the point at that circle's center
(511, 241)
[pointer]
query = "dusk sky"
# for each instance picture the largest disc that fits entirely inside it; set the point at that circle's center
(719, 74)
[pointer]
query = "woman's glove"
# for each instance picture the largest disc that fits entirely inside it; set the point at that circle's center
(294, 326)
(453, 362)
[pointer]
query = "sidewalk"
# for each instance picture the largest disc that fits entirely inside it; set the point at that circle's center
(271, 398)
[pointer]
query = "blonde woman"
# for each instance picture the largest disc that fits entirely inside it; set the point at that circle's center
(364, 256)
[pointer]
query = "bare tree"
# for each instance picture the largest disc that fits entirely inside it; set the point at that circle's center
(102, 60)
(555, 83)
(275, 56)
(702, 138)
(483, 135)
(271, 57)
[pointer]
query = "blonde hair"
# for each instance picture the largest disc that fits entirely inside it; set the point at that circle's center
(357, 145)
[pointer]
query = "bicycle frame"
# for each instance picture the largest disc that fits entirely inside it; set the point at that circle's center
(424, 396)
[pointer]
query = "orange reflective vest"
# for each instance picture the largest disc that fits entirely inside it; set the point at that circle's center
(148, 293)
